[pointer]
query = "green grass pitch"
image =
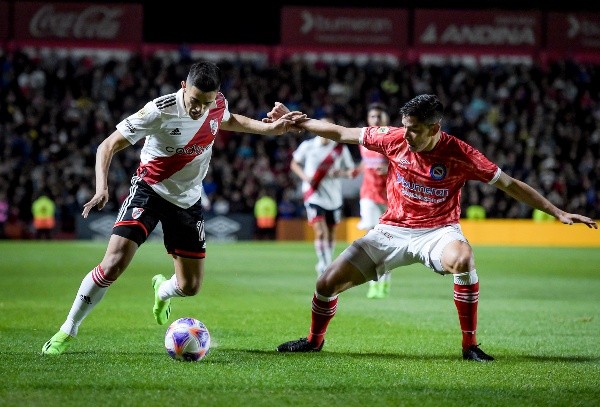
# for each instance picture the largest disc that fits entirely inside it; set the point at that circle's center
(539, 315)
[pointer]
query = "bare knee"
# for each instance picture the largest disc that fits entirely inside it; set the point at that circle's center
(339, 277)
(458, 257)
(113, 266)
(190, 289)
(325, 285)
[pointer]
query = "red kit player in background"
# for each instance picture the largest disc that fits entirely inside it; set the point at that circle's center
(373, 194)
(428, 168)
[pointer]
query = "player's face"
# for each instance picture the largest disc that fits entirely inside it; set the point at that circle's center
(197, 102)
(377, 117)
(419, 136)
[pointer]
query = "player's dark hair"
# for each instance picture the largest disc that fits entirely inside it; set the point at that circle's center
(376, 106)
(206, 76)
(426, 108)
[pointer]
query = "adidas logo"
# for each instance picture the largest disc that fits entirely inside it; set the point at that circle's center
(175, 132)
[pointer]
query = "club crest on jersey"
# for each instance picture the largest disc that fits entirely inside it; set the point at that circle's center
(137, 212)
(383, 130)
(214, 126)
(438, 171)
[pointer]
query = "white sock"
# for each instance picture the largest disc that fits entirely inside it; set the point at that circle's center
(321, 251)
(468, 278)
(329, 249)
(169, 289)
(93, 287)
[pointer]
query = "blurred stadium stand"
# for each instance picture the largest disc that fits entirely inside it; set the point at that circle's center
(528, 96)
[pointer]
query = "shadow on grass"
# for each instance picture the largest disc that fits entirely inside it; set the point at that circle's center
(225, 356)
(399, 356)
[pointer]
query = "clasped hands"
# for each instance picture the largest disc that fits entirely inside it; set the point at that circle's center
(281, 111)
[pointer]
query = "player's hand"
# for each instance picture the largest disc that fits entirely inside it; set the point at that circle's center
(99, 200)
(288, 122)
(278, 110)
(570, 218)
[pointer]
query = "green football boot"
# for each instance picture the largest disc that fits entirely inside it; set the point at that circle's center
(161, 309)
(57, 344)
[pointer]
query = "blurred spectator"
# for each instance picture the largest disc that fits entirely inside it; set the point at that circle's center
(541, 124)
(43, 210)
(265, 213)
(3, 213)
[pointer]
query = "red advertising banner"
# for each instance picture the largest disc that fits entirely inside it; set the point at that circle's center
(573, 31)
(474, 31)
(78, 21)
(3, 20)
(315, 26)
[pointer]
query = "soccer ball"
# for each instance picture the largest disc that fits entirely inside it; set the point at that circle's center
(187, 339)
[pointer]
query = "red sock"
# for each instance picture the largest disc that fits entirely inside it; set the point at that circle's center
(322, 312)
(466, 298)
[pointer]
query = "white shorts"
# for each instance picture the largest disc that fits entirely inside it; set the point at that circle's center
(370, 212)
(389, 247)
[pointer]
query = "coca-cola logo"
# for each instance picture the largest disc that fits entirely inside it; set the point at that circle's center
(94, 22)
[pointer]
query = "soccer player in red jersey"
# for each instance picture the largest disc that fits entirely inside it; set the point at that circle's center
(428, 168)
(179, 130)
(373, 194)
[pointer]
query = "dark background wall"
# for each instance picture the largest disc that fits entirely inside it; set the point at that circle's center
(254, 22)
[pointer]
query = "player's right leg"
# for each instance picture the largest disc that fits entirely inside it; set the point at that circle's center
(93, 287)
(186, 242)
(347, 271)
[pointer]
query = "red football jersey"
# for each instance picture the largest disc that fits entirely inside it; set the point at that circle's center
(374, 181)
(423, 189)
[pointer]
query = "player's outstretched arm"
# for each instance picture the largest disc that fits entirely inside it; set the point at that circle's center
(323, 128)
(526, 194)
(242, 124)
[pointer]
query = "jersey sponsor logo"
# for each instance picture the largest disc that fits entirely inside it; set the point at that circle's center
(175, 132)
(438, 171)
(129, 126)
(422, 192)
(142, 112)
(194, 149)
(137, 212)
(214, 126)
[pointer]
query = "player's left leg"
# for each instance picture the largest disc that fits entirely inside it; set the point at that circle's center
(321, 238)
(94, 285)
(457, 258)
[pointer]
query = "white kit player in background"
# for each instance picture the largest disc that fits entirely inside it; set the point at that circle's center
(178, 130)
(320, 164)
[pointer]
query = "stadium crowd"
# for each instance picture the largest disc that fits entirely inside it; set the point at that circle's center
(540, 124)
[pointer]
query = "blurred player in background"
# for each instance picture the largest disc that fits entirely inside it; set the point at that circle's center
(179, 130)
(428, 168)
(320, 164)
(373, 195)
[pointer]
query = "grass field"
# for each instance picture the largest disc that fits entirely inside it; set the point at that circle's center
(539, 315)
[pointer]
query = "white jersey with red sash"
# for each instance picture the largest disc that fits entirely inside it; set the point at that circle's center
(423, 189)
(177, 149)
(317, 160)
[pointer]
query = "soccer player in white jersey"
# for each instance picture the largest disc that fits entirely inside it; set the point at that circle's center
(428, 168)
(373, 194)
(320, 164)
(178, 130)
